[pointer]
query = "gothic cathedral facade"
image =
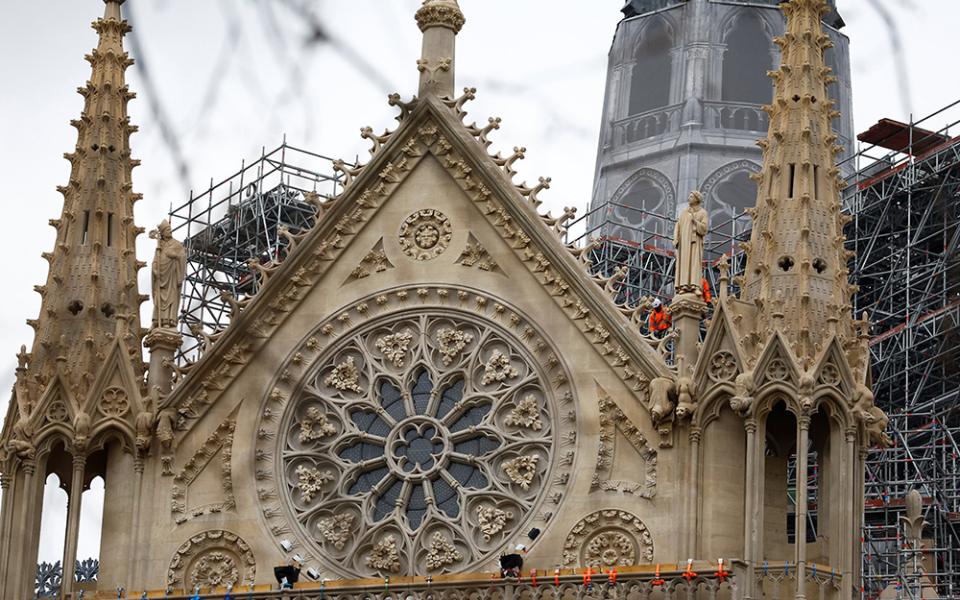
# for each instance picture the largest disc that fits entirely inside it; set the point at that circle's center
(430, 374)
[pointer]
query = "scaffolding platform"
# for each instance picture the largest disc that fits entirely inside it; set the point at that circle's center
(236, 221)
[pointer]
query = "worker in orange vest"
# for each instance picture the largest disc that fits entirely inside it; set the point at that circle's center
(705, 286)
(659, 320)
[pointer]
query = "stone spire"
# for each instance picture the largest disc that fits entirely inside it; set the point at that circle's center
(796, 269)
(91, 291)
(440, 21)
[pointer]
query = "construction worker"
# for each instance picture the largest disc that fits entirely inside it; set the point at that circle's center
(658, 322)
(705, 286)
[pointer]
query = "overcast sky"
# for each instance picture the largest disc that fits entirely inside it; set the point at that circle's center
(234, 75)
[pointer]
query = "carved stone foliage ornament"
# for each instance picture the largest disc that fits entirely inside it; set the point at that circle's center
(476, 256)
(608, 538)
(439, 438)
(214, 558)
(425, 234)
(219, 443)
(613, 419)
(375, 261)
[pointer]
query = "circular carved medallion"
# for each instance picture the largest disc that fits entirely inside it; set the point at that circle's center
(417, 454)
(777, 370)
(830, 375)
(608, 538)
(425, 234)
(723, 366)
(211, 559)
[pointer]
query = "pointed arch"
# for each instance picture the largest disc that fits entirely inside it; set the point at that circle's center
(748, 57)
(652, 67)
(727, 193)
(641, 202)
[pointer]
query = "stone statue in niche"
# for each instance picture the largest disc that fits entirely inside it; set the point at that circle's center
(168, 270)
(688, 237)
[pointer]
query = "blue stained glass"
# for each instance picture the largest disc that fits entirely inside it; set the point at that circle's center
(366, 481)
(477, 446)
(468, 476)
(361, 451)
(446, 498)
(449, 398)
(416, 506)
(370, 422)
(472, 416)
(392, 400)
(421, 391)
(387, 501)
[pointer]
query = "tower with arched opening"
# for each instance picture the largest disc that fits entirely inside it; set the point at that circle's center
(686, 85)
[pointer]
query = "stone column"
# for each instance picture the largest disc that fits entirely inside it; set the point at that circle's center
(135, 525)
(687, 311)
(6, 526)
(848, 496)
(73, 525)
(800, 515)
(693, 500)
(440, 21)
(23, 566)
(748, 498)
(162, 344)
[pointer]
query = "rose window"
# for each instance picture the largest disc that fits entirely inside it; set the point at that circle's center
(417, 445)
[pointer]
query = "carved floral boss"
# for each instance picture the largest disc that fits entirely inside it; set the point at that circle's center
(419, 446)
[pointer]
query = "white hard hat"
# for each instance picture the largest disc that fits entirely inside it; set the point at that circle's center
(656, 302)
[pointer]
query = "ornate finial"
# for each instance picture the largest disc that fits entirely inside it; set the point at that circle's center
(112, 11)
(440, 13)
(440, 21)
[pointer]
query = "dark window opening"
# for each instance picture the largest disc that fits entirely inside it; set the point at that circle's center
(107, 310)
(790, 182)
(75, 307)
(816, 181)
(86, 227)
(109, 229)
(785, 263)
(819, 265)
(746, 62)
(650, 85)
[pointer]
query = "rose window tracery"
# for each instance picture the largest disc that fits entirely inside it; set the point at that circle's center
(419, 444)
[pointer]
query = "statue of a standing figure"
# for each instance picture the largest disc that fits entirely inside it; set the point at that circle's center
(168, 269)
(688, 236)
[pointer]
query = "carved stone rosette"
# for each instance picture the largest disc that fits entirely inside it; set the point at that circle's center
(608, 538)
(213, 558)
(441, 438)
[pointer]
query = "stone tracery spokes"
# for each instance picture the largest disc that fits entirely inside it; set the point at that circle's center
(420, 445)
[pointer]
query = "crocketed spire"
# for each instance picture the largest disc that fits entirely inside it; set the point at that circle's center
(92, 279)
(796, 270)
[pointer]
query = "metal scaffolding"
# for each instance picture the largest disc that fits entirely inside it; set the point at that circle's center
(905, 200)
(236, 221)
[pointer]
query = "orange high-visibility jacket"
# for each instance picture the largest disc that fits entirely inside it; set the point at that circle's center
(705, 285)
(658, 320)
